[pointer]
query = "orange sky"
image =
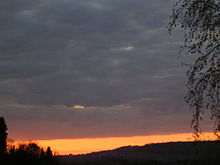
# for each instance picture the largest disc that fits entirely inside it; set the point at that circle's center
(87, 145)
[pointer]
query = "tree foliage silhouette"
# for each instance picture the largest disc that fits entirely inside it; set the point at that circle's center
(30, 153)
(200, 20)
(3, 136)
(24, 153)
(49, 152)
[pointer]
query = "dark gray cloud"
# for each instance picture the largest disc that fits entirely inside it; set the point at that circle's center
(66, 122)
(115, 57)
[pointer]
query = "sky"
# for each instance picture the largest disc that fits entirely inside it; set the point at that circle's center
(72, 69)
(88, 145)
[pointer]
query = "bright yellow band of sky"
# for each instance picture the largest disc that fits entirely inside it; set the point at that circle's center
(87, 145)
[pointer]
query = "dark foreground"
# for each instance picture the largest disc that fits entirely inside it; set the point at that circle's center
(178, 153)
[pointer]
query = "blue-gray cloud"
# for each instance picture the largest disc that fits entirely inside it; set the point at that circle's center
(97, 53)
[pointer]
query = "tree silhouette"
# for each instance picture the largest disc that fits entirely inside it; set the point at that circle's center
(200, 20)
(24, 153)
(49, 153)
(3, 136)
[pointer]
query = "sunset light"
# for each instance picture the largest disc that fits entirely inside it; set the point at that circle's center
(78, 107)
(87, 145)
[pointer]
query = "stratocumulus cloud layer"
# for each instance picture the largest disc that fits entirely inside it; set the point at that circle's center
(90, 68)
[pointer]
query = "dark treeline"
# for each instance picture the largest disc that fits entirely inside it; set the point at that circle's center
(23, 154)
(28, 154)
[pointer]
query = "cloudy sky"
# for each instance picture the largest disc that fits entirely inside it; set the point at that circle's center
(90, 68)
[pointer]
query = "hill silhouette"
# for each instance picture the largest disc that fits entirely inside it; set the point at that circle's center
(163, 153)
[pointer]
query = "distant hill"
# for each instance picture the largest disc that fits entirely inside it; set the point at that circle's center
(162, 152)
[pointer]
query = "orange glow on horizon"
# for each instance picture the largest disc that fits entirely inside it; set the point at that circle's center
(87, 145)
